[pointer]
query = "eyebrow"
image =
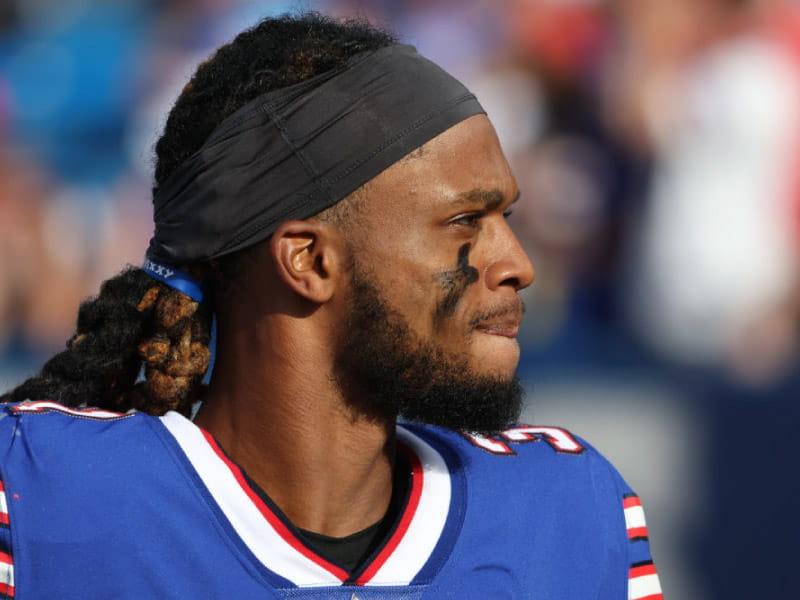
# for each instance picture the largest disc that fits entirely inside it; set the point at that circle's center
(490, 199)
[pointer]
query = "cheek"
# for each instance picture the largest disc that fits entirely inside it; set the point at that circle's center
(408, 286)
(454, 284)
(425, 286)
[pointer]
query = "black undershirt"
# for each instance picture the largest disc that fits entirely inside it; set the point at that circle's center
(352, 551)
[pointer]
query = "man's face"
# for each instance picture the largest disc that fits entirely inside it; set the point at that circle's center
(437, 270)
(434, 237)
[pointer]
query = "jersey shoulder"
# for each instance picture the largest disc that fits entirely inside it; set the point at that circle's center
(544, 479)
(529, 457)
(51, 433)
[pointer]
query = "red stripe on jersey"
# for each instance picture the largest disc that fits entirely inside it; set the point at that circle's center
(631, 501)
(652, 597)
(637, 532)
(6, 558)
(2, 486)
(417, 477)
(7, 590)
(276, 523)
(642, 570)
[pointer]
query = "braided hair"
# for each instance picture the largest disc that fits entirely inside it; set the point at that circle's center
(136, 321)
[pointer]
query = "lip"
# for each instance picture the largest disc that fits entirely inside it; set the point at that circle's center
(503, 321)
(508, 328)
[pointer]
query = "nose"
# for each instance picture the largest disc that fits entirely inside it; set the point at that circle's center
(510, 265)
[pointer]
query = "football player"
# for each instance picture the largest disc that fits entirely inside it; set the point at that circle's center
(337, 205)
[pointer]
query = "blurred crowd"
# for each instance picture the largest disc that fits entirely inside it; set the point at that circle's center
(656, 144)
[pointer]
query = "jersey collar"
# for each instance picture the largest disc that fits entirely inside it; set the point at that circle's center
(276, 544)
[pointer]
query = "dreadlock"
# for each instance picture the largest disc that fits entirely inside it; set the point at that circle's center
(137, 321)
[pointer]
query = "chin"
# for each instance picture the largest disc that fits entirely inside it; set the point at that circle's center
(495, 356)
(494, 369)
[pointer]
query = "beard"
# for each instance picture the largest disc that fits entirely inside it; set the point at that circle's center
(384, 371)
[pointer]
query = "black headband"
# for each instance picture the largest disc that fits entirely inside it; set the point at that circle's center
(294, 152)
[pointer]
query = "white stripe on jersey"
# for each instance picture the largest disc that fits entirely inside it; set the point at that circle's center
(267, 544)
(6, 570)
(643, 587)
(427, 525)
(634, 517)
(3, 505)
(47, 406)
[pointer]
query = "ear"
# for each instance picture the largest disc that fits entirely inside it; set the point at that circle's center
(308, 258)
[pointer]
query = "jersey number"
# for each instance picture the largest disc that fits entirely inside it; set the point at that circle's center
(559, 439)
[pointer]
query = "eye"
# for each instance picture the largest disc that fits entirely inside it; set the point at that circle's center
(467, 220)
(508, 213)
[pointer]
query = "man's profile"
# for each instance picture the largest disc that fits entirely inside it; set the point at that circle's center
(338, 205)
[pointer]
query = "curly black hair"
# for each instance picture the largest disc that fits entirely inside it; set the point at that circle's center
(138, 322)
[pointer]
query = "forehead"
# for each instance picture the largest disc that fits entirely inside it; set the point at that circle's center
(457, 166)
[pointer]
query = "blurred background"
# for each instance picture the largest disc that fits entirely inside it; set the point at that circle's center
(657, 146)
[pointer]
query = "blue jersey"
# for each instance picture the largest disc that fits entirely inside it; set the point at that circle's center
(100, 505)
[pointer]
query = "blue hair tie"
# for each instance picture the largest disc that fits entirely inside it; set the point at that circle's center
(174, 278)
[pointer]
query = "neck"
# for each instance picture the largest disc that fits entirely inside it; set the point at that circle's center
(328, 469)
